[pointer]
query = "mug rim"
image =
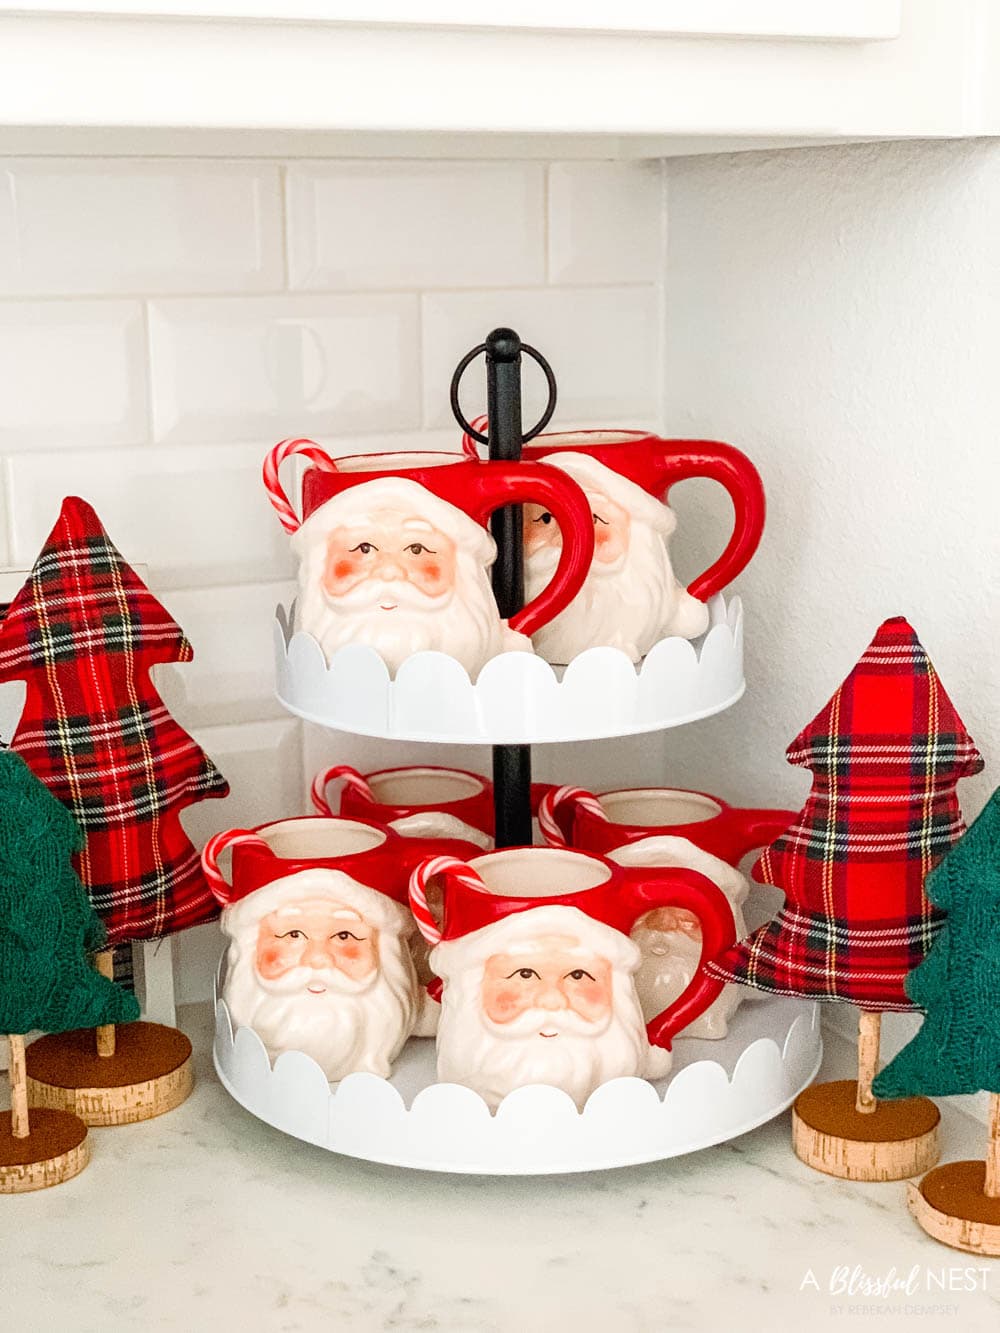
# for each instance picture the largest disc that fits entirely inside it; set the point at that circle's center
(713, 806)
(428, 458)
(340, 821)
(433, 771)
(536, 853)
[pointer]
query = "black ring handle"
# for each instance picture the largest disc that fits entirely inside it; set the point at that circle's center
(542, 421)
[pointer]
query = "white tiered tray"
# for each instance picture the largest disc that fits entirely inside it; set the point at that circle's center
(716, 1091)
(518, 699)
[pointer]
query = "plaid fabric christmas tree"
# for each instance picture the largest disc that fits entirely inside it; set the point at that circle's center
(886, 754)
(83, 633)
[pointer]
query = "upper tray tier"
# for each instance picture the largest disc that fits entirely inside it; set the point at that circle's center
(518, 698)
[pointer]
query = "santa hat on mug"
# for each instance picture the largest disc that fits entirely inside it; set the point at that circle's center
(591, 475)
(405, 496)
(317, 885)
(520, 932)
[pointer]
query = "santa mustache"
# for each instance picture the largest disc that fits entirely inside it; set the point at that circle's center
(374, 592)
(300, 980)
(562, 1022)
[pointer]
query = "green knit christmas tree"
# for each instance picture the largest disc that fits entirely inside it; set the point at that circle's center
(958, 984)
(47, 926)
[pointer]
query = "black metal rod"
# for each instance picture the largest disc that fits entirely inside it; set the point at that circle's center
(511, 763)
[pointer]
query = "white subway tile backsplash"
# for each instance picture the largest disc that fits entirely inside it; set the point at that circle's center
(604, 221)
(602, 343)
(261, 366)
(72, 374)
(193, 516)
(232, 676)
(143, 304)
(262, 763)
(404, 225)
(99, 225)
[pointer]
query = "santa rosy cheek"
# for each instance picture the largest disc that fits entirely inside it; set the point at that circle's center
(271, 961)
(503, 1005)
(343, 568)
(590, 999)
(350, 952)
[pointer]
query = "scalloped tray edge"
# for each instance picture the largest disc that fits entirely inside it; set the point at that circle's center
(517, 698)
(536, 1130)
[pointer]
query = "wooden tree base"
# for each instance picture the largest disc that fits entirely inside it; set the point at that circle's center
(150, 1073)
(55, 1150)
(951, 1205)
(897, 1140)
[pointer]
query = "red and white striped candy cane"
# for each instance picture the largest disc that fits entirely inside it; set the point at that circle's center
(213, 849)
(559, 796)
(351, 778)
(470, 447)
(424, 873)
(290, 521)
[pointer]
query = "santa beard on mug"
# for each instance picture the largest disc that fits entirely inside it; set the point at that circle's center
(548, 1002)
(390, 565)
(631, 598)
(345, 994)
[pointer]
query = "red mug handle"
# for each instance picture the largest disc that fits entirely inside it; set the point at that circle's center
(213, 849)
(351, 778)
(757, 828)
(290, 520)
(495, 484)
(734, 471)
(697, 894)
(557, 813)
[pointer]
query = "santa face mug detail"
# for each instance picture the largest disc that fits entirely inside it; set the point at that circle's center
(538, 971)
(631, 598)
(319, 963)
(381, 858)
(394, 553)
(669, 938)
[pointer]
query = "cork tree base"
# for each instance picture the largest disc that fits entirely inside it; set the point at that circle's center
(897, 1140)
(149, 1074)
(951, 1205)
(55, 1150)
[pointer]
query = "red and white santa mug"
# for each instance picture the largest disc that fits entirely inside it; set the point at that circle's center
(575, 817)
(406, 520)
(632, 598)
(656, 464)
(398, 793)
(537, 966)
(370, 853)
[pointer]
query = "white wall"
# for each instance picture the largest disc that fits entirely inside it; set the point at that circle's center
(163, 322)
(836, 312)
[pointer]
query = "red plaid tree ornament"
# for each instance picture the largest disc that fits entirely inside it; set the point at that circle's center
(83, 633)
(886, 753)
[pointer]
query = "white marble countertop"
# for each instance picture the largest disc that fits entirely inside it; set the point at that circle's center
(209, 1219)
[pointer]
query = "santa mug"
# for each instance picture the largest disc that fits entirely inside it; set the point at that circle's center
(574, 817)
(428, 793)
(320, 963)
(669, 938)
(301, 854)
(538, 971)
(394, 553)
(632, 598)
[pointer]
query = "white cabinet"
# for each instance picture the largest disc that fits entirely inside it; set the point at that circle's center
(629, 77)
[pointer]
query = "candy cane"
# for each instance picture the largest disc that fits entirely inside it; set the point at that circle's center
(351, 777)
(213, 849)
(470, 447)
(290, 521)
(437, 865)
(551, 802)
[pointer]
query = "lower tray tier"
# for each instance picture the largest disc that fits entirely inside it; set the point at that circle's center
(716, 1091)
